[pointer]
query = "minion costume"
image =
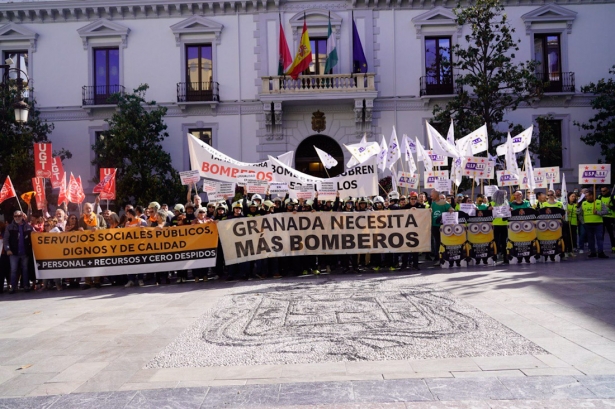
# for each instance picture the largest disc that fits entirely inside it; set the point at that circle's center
(522, 244)
(550, 236)
(454, 246)
(481, 239)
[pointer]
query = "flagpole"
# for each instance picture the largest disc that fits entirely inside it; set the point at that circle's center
(107, 204)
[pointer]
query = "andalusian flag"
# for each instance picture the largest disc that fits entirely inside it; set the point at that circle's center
(331, 50)
(304, 55)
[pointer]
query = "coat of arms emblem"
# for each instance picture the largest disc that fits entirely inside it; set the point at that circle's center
(319, 121)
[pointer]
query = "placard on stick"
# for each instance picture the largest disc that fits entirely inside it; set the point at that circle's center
(327, 191)
(305, 191)
(450, 218)
(258, 186)
(189, 177)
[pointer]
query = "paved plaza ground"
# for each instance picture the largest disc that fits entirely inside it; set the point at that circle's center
(528, 336)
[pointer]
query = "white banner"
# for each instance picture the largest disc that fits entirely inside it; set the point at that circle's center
(213, 164)
(358, 181)
(431, 177)
(550, 174)
(505, 178)
(288, 234)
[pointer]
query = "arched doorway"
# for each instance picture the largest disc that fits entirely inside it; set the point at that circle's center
(307, 161)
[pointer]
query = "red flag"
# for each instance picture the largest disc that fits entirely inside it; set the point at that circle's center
(106, 187)
(80, 193)
(285, 59)
(62, 196)
(72, 193)
(57, 173)
(42, 160)
(8, 190)
(39, 188)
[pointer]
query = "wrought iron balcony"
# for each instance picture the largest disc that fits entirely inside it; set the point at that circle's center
(557, 81)
(439, 85)
(313, 84)
(100, 94)
(197, 91)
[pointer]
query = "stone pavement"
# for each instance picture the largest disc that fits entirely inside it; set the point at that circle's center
(90, 348)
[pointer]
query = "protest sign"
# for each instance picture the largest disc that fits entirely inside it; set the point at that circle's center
(258, 186)
(305, 191)
(358, 181)
(443, 185)
(489, 171)
(278, 189)
(437, 160)
(550, 236)
(209, 186)
(431, 177)
(243, 179)
(189, 177)
(468, 208)
(450, 218)
(540, 181)
(477, 167)
(501, 211)
(405, 179)
(551, 174)
(490, 190)
(481, 237)
(288, 234)
(522, 244)
(114, 252)
(327, 191)
(505, 178)
(57, 172)
(596, 173)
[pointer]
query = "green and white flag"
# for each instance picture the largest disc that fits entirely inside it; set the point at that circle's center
(331, 50)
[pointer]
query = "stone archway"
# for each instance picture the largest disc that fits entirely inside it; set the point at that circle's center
(307, 161)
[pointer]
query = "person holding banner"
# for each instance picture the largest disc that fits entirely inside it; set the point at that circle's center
(518, 203)
(91, 221)
(51, 227)
(17, 243)
(413, 258)
(593, 211)
(551, 201)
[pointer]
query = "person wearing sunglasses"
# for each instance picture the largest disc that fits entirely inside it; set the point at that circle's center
(18, 246)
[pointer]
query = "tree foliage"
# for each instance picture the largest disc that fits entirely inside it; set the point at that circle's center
(601, 127)
(491, 81)
(17, 142)
(133, 146)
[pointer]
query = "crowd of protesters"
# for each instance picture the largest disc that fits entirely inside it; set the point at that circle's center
(587, 219)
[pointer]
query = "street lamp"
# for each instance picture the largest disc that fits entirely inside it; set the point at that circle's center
(20, 107)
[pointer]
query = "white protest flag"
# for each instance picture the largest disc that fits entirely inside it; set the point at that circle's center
(440, 145)
(394, 181)
(362, 151)
(564, 195)
(520, 141)
(327, 160)
(406, 150)
(353, 162)
(477, 139)
(529, 171)
(457, 170)
(394, 153)
(382, 156)
(287, 158)
(434, 145)
(511, 158)
(422, 156)
(411, 164)
(450, 136)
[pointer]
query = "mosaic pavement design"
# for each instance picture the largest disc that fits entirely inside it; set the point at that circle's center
(326, 320)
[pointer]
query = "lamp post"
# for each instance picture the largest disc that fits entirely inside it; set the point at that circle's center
(20, 107)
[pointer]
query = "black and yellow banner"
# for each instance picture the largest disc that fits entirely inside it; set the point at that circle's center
(124, 251)
(288, 234)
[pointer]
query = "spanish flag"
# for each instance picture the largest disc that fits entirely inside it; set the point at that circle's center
(304, 55)
(27, 197)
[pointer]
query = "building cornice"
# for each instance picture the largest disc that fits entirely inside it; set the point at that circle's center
(90, 10)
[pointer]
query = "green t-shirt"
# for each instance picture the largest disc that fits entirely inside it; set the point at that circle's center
(437, 210)
(524, 205)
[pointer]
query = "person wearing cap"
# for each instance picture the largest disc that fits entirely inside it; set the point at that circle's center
(278, 204)
(178, 210)
(17, 244)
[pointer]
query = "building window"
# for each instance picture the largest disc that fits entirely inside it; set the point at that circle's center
(438, 70)
(204, 134)
(319, 57)
(550, 143)
(20, 62)
(548, 55)
(106, 73)
(199, 84)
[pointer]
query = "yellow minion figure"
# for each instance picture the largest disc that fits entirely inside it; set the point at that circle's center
(522, 244)
(550, 237)
(482, 241)
(453, 245)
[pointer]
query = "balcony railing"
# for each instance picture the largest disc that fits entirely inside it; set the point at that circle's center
(439, 85)
(318, 84)
(197, 91)
(557, 81)
(100, 94)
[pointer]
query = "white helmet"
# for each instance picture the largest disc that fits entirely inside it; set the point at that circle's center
(393, 195)
(378, 199)
(256, 196)
(309, 202)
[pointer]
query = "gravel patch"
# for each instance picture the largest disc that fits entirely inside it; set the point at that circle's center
(327, 320)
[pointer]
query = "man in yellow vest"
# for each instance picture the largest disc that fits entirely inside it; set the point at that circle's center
(609, 219)
(592, 212)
